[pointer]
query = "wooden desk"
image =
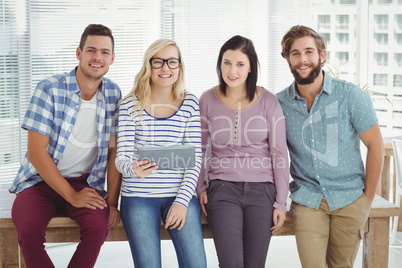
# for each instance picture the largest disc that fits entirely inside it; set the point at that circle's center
(63, 229)
(384, 185)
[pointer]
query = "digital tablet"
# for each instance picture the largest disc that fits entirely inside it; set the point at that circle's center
(169, 157)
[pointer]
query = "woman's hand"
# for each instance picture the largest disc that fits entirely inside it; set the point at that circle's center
(143, 168)
(279, 219)
(176, 217)
(114, 217)
(203, 200)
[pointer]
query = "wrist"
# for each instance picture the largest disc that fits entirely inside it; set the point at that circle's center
(70, 195)
(113, 203)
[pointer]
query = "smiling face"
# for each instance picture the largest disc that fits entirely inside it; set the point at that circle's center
(235, 68)
(96, 57)
(305, 60)
(165, 77)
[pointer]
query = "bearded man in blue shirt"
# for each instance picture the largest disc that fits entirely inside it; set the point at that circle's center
(71, 145)
(326, 119)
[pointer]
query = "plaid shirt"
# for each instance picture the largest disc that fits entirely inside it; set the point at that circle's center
(52, 112)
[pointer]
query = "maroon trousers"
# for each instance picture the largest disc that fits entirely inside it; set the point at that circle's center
(36, 206)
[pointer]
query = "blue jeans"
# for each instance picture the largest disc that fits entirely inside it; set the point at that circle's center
(141, 218)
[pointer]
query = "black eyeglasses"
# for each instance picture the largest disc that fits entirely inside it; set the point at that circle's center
(172, 63)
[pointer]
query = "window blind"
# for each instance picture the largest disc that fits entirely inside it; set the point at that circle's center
(39, 38)
(15, 85)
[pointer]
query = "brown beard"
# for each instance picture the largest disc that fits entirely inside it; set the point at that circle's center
(309, 79)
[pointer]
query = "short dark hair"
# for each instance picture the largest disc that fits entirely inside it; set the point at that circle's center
(96, 29)
(246, 46)
(299, 31)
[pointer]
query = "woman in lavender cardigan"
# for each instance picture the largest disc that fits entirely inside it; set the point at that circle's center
(245, 159)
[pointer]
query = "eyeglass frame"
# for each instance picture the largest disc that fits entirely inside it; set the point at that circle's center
(165, 61)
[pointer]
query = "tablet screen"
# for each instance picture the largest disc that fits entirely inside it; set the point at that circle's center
(169, 157)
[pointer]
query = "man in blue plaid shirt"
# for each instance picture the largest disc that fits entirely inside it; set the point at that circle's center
(71, 145)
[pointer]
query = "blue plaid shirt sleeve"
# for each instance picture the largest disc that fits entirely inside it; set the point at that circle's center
(39, 115)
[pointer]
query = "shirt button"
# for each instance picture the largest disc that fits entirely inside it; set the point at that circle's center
(318, 176)
(323, 189)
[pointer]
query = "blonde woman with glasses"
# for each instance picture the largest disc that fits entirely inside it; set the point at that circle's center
(159, 112)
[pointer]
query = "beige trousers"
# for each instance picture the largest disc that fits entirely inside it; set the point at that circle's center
(329, 238)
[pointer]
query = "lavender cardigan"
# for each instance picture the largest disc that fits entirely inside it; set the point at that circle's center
(245, 145)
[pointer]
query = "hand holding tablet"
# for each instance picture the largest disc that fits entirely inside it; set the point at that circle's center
(169, 157)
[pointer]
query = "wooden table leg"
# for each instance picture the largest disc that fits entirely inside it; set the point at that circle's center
(9, 248)
(384, 183)
(376, 243)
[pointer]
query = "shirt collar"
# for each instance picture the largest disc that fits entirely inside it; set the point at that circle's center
(326, 87)
(71, 82)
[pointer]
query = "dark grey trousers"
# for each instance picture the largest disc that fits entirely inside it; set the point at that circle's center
(240, 215)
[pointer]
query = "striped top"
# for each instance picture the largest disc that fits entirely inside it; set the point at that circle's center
(183, 127)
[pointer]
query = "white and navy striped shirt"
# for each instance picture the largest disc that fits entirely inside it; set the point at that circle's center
(134, 131)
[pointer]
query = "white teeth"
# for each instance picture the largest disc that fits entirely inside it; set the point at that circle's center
(231, 77)
(303, 68)
(97, 66)
(165, 75)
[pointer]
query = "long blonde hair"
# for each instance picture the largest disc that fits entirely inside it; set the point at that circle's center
(142, 82)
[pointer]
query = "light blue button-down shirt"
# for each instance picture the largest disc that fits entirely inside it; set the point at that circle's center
(324, 145)
(52, 112)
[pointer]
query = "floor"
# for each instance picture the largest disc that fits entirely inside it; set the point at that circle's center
(282, 253)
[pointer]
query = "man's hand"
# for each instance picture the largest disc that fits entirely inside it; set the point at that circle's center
(176, 217)
(88, 198)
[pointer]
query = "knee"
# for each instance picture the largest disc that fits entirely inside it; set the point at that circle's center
(30, 237)
(94, 231)
(30, 234)
(29, 228)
